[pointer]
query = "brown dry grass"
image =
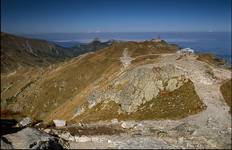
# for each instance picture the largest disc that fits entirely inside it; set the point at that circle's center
(98, 130)
(15, 53)
(226, 92)
(62, 88)
(9, 114)
(210, 59)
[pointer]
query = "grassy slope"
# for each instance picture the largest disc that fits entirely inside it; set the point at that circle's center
(19, 51)
(210, 59)
(226, 92)
(57, 92)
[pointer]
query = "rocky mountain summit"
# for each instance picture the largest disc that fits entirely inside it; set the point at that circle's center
(19, 52)
(151, 95)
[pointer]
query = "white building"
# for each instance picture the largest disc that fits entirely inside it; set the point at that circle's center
(186, 51)
(156, 40)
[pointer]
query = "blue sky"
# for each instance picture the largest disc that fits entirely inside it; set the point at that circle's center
(73, 16)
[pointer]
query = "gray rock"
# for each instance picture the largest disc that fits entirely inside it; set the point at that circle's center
(30, 138)
(25, 122)
(47, 130)
(185, 129)
(59, 123)
(172, 85)
(67, 136)
(114, 121)
(138, 86)
(128, 125)
(5, 144)
(125, 59)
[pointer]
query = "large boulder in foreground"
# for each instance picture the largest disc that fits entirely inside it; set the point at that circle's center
(5, 144)
(30, 138)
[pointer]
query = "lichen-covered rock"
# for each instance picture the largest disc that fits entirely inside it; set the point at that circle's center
(125, 59)
(138, 86)
(114, 121)
(30, 138)
(5, 144)
(150, 91)
(127, 125)
(26, 121)
(67, 136)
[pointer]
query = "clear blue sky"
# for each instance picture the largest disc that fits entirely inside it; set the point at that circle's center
(72, 16)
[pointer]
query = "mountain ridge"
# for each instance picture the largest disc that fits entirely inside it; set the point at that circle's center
(82, 82)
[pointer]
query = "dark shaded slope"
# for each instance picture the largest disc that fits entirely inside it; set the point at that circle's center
(226, 92)
(21, 52)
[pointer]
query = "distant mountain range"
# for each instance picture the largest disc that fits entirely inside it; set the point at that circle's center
(19, 52)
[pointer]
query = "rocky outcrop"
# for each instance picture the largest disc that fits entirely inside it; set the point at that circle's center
(5, 144)
(25, 122)
(138, 86)
(30, 138)
(125, 59)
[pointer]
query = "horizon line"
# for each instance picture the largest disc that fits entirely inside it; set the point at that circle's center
(18, 33)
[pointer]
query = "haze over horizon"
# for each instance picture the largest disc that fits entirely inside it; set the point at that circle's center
(97, 16)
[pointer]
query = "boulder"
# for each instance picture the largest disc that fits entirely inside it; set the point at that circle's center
(47, 130)
(172, 85)
(127, 125)
(30, 138)
(185, 129)
(25, 122)
(139, 127)
(67, 136)
(59, 123)
(114, 121)
(5, 144)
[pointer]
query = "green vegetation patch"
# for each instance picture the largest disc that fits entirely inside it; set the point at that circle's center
(210, 59)
(226, 92)
(168, 105)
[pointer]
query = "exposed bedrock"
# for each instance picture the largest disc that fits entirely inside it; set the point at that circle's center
(138, 86)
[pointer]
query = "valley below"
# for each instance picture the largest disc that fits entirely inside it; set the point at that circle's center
(115, 95)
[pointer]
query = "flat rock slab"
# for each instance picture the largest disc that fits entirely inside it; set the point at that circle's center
(30, 138)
